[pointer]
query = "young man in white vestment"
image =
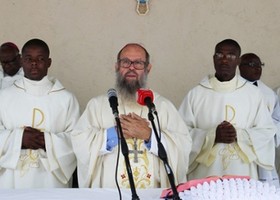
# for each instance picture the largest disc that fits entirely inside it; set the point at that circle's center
(95, 138)
(36, 116)
(231, 128)
(250, 68)
(10, 62)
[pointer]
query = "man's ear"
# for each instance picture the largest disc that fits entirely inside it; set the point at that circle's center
(238, 61)
(149, 67)
(18, 57)
(49, 62)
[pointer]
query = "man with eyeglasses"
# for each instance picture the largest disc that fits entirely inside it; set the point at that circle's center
(230, 125)
(95, 137)
(250, 68)
(10, 62)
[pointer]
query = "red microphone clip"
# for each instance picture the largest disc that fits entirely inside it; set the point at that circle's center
(142, 94)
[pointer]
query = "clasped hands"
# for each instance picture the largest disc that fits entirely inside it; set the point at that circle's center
(33, 139)
(225, 133)
(134, 126)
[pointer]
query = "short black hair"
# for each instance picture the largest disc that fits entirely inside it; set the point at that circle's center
(250, 55)
(38, 43)
(10, 45)
(229, 42)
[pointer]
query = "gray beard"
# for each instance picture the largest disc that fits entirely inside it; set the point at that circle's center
(128, 90)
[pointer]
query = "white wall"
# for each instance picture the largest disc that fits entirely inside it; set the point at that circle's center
(85, 35)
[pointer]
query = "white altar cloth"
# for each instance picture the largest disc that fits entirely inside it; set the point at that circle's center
(76, 194)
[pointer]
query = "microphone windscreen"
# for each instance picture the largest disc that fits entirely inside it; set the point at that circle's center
(112, 93)
(142, 94)
(112, 97)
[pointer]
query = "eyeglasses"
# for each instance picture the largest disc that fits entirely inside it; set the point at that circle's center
(220, 56)
(137, 64)
(253, 64)
(9, 61)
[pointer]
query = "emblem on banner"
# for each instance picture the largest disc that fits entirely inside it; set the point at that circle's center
(142, 7)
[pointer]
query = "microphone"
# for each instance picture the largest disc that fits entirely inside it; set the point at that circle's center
(145, 97)
(113, 100)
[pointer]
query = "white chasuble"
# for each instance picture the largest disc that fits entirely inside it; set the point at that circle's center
(47, 106)
(141, 163)
(242, 104)
(31, 158)
(97, 169)
(141, 160)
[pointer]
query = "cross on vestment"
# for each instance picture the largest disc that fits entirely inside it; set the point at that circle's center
(135, 151)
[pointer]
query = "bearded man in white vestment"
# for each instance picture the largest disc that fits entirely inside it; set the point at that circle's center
(95, 138)
(36, 117)
(230, 125)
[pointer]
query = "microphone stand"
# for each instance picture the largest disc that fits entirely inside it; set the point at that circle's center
(125, 153)
(163, 156)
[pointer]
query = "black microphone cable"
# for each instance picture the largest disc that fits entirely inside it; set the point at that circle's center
(117, 166)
